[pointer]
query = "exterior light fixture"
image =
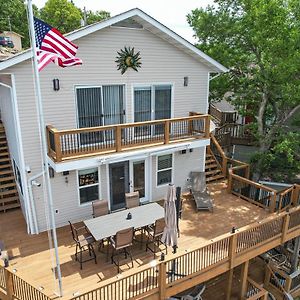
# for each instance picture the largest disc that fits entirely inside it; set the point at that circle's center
(56, 86)
(185, 81)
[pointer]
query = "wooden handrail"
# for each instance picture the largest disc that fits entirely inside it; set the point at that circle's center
(261, 294)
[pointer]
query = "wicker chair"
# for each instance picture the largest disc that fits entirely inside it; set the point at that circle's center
(154, 235)
(122, 242)
(84, 242)
(132, 199)
(100, 208)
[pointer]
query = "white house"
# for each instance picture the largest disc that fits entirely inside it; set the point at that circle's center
(172, 81)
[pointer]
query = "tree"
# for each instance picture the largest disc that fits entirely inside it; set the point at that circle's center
(260, 43)
(93, 17)
(14, 17)
(61, 14)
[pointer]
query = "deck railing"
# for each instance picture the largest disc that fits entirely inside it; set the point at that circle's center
(255, 291)
(76, 143)
(15, 288)
(178, 273)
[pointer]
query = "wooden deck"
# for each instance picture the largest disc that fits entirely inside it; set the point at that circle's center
(31, 258)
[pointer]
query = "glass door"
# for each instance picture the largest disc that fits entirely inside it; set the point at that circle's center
(119, 184)
(137, 178)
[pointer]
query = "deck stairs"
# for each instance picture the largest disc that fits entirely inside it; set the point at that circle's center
(9, 198)
(213, 170)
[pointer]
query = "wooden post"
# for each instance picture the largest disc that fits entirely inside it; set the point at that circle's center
(57, 145)
(118, 138)
(229, 284)
(295, 195)
(232, 250)
(162, 281)
(295, 257)
(167, 131)
(207, 126)
(190, 127)
(9, 284)
(285, 227)
(244, 276)
(224, 166)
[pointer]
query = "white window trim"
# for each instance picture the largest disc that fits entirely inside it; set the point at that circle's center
(172, 171)
(80, 187)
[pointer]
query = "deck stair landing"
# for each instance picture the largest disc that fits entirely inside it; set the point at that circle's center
(9, 198)
(213, 170)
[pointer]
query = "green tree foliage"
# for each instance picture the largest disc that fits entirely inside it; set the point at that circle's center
(93, 17)
(15, 12)
(61, 14)
(259, 41)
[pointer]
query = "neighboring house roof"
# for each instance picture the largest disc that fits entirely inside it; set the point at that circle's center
(148, 23)
(224, 106)
(14, 33)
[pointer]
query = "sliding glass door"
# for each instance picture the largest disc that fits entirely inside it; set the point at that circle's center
(99, 106)
(152, 103)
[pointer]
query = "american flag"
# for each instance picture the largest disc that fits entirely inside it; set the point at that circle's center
(52, 46)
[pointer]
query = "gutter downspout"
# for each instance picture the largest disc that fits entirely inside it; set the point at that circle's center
(31, 200)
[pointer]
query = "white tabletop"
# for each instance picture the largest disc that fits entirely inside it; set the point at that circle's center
(108, 225)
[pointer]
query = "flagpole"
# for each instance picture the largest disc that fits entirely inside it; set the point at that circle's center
(44, 143)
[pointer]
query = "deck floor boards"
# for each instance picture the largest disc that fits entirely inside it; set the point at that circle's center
(30, 255)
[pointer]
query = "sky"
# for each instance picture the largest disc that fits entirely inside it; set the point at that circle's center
(170, 13)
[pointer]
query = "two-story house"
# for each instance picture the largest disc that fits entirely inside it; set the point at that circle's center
(108, 133)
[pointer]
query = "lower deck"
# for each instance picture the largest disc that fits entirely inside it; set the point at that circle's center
(31, 259)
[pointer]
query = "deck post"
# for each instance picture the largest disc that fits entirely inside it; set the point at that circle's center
(9, 284)
(295, 257)
(229, 184)
(162, 281)
(167, 132)
(273, 202)
(207, 126)
(118, 138)
(244, 276)
(229, 284)
(232, 250)
(57, 145)
(285, 227)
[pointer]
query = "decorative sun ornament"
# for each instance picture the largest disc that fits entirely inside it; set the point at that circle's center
(128, 59)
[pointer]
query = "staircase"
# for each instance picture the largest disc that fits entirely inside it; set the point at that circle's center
(8, 190)
(213, 170)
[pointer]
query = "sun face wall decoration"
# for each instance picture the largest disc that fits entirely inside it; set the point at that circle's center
(128, 59)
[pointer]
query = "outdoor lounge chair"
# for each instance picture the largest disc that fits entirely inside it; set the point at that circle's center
(199, 191)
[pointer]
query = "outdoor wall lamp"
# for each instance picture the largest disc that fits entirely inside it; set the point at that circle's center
(185, 81)
(56, 86)
(35, 183)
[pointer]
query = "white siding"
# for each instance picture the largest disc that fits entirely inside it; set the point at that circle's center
(161, 63)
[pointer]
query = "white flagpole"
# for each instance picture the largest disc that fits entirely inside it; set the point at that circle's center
(44, 143)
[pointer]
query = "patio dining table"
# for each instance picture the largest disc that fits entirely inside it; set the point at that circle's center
(106, 226)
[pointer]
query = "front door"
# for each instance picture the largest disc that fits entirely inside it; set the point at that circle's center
(119, 184)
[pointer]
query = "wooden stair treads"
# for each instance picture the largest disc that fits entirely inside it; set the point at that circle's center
(213, 171)
(9, 198)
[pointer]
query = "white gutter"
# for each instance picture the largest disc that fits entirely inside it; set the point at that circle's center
(31, 200)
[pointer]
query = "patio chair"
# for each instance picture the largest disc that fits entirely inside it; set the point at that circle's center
(84, 242)
(196, 293)
(100, 208)
(155, 233)
(199, 191)
(132, 199)
(122, 242)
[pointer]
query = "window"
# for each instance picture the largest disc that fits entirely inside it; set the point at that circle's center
(88, 185)
(164, 169)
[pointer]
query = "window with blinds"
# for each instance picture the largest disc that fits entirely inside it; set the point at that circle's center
(164, 169)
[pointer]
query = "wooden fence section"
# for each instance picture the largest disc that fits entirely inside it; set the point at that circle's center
(255, 291)
(75, 143)
(15, 288)
(186, 270)
(221, 116)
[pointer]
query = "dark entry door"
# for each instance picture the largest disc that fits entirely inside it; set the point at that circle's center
(119, 184)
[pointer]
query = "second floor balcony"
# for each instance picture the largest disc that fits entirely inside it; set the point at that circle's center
(85, 142)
